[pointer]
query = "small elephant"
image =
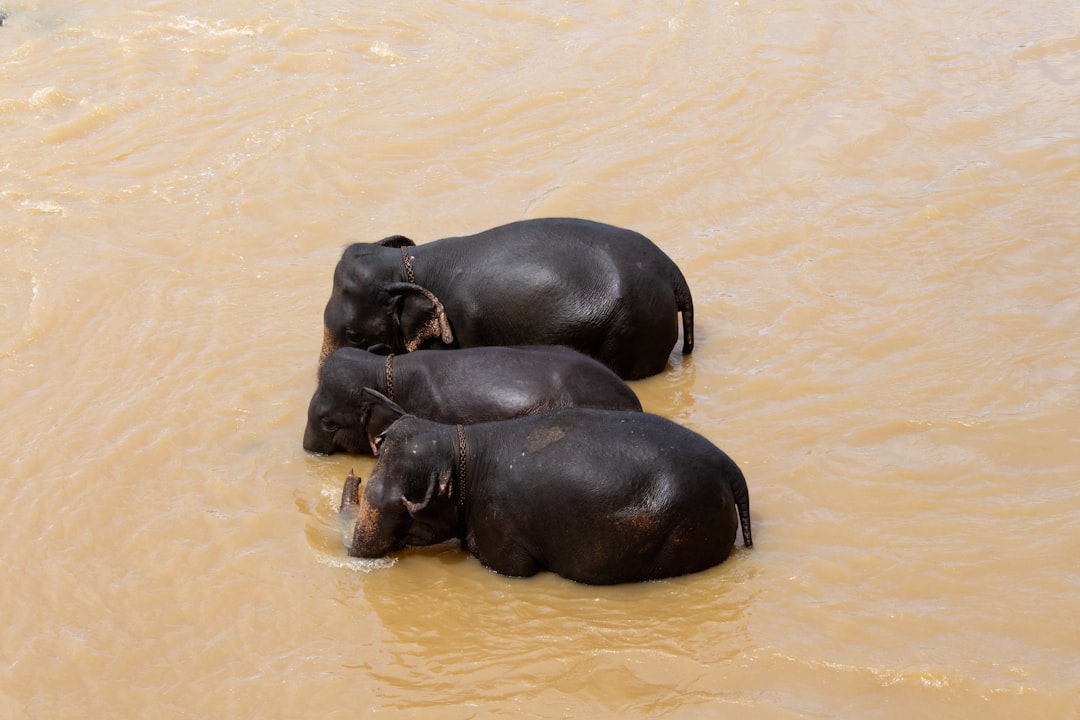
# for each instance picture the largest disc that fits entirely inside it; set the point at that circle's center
(464, 386)
(596, 496)
(607, 292)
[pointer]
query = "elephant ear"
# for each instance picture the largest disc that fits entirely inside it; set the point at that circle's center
(377, 413)
(438, 486)
(396, 241)
(420, 315)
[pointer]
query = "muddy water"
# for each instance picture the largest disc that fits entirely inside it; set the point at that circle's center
(875, 205)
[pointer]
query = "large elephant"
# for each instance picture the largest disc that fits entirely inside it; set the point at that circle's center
(605, 291)
(465, 386)
(599, 497)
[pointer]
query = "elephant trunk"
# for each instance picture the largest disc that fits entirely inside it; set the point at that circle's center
(329, 345)
(374, 534)
(742, 502)
(349, 508)
(350, 494)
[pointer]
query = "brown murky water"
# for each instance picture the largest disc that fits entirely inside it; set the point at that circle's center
(876, 205)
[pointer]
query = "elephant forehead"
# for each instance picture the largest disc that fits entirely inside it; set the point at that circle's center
(409, 442)
(344, 373)
(382, 489)
(357, 252)
(359, 261)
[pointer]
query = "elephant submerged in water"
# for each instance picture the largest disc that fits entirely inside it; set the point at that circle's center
(596, 496)
(464, 386)
(607, 292)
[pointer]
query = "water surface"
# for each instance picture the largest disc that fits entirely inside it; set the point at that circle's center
(875, 206)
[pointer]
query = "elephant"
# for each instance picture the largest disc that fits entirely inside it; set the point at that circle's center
(470, 385)
(597, 496)
(607, 292)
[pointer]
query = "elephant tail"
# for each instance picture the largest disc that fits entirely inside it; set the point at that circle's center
(742, 502)
(684, 303)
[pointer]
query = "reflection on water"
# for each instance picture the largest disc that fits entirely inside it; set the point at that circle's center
(874, 206)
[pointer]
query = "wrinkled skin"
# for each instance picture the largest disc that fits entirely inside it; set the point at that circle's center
(465, 386)
(607, 292)
(599, 497)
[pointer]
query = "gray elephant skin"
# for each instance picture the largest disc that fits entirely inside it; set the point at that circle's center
(607, 292)
(596, 496)
(464, 386)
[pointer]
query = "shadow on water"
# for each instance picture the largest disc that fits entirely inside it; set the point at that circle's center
(451, 621)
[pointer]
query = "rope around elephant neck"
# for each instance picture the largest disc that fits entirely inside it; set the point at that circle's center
(405, 258)
(390, 376)
(462, 468)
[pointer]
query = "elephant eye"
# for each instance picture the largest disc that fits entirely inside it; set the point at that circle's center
(354, 338)
(329, 426)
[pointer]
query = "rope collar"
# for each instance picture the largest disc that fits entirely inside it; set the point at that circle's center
(407, 259)
(390, 376)
(461, 487)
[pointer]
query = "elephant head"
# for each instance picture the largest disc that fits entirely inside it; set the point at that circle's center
(409, 498)
(344, 409)
(344, 423)
(372, 308)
